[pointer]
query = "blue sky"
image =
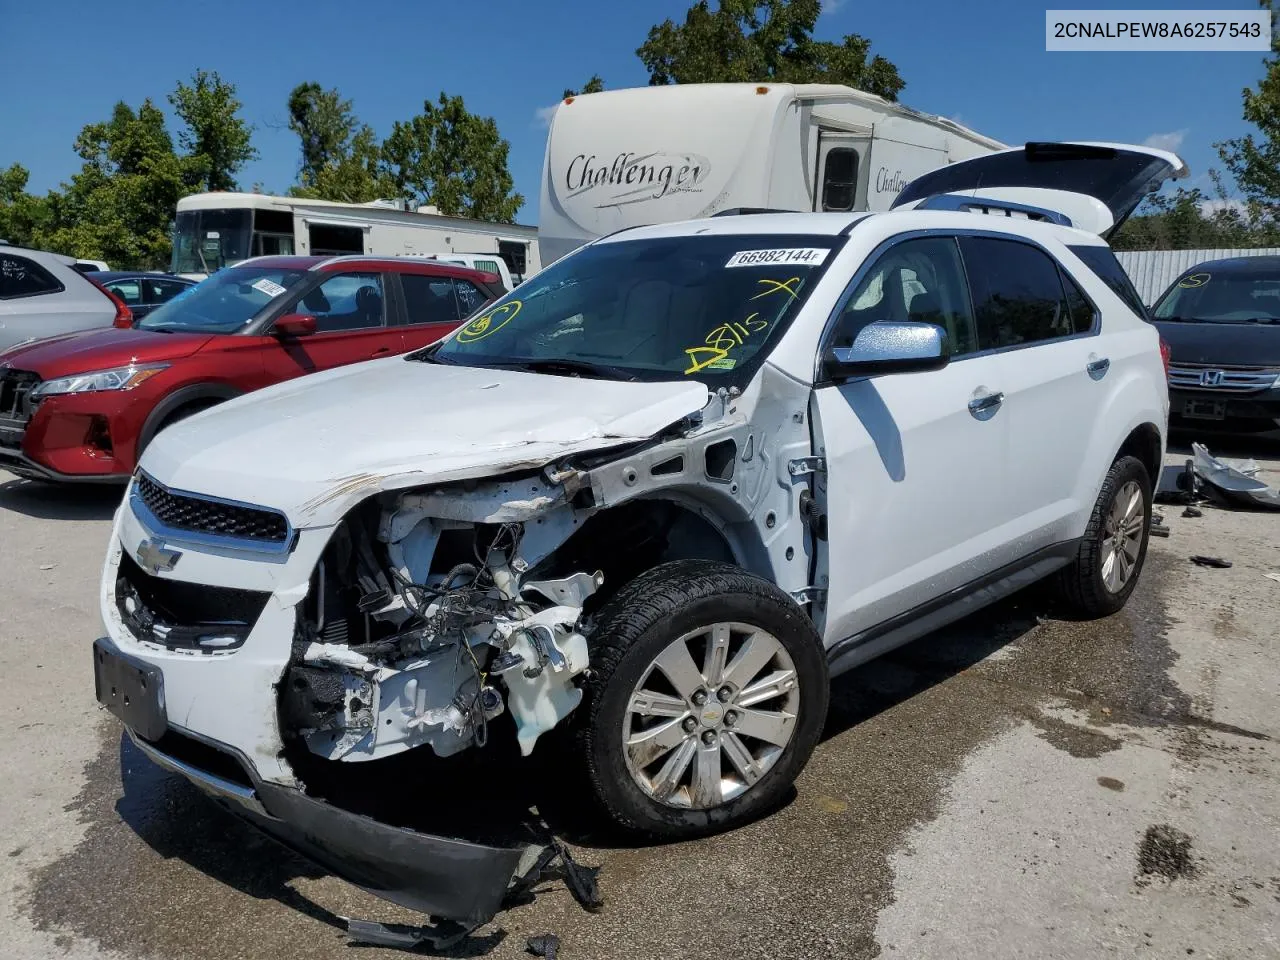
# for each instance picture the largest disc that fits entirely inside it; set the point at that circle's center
(63, 65)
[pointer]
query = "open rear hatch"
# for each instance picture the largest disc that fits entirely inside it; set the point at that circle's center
(1096, 186)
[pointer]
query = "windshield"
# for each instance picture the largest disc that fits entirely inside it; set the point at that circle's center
(662, 309)
(205, 241)
(224, 303)
(1222, 298)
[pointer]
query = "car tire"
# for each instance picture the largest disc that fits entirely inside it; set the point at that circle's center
(765, 642)
(1114, 547)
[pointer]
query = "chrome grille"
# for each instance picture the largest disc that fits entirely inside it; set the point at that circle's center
(213, 518)
(1228, 378)
(15, 405)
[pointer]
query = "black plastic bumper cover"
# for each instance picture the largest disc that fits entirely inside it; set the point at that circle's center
(439, 876)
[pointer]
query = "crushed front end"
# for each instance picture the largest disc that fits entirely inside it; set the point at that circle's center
(258, 659)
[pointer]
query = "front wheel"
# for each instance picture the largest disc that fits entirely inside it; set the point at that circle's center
(1114, 546)
(707, 693)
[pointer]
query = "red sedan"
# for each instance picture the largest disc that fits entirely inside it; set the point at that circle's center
(83, 406)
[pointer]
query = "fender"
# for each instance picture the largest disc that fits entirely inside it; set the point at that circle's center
(191, 393)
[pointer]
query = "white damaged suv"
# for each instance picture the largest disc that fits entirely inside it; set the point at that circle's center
(655, 497)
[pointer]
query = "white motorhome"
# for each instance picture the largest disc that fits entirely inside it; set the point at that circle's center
(213, 230)
(625, 158)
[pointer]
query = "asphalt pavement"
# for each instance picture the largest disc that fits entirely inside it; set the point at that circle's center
(1014, 786)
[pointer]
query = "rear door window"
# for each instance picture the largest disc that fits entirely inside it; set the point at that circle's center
(1018, 297)
(430, 299)
(20, 277)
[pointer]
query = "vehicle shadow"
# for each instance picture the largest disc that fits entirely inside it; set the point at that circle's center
(49, 501)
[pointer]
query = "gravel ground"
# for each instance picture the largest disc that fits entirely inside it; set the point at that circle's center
(1014, 786)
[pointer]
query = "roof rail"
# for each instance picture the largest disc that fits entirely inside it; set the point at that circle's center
(951, 201)
(745, 211)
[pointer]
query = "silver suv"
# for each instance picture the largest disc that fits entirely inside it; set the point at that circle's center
(43, 295)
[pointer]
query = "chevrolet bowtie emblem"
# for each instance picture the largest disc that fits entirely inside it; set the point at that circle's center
(154, 556)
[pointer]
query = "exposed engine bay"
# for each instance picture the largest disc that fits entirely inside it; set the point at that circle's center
(424, 629)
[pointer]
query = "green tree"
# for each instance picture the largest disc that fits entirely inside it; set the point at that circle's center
(1188, 220)
(758, 41)
(1254, 161)
(120, 206)
(454, 160)
(341, 157)
(594, 85)
(23, 217)
(217, 140)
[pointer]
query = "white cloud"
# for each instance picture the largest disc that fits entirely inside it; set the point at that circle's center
(831, 6)
(1166, 141)
(542, 116)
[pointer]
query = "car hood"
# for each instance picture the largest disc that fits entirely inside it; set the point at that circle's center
(315, 446)
(1231, 344)
(101, 350)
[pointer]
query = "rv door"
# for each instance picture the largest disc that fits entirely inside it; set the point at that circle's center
(1095, 185)
(842, 171)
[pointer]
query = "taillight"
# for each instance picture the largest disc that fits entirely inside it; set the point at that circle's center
(124, 316)
(1165, 354)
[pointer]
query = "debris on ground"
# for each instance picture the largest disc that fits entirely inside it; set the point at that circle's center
(1158, 529)
(1234, 482)
(1211, 561)
(1273, 576)
(547, 945)
(1193, 512)
(581, 881)
(1165, 851)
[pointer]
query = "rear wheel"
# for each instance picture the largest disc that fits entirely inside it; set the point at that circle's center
(1114, 548)
(706, 696)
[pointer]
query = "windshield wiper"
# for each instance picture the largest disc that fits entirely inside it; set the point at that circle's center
(559, 365)
(1263, 320)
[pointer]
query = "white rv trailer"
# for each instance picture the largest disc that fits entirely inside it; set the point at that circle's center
(213, 230)
(648, 155)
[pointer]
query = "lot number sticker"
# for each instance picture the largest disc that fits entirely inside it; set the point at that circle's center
(795, 256)
(269, 287)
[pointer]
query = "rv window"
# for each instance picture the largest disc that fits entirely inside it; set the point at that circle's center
(1017, 293)
(840, 179)
(514, 254)
(335, 241)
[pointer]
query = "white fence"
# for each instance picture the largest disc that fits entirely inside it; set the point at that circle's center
(1153, 270)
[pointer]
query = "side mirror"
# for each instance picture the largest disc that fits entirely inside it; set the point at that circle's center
(295, 325)
(887, 347)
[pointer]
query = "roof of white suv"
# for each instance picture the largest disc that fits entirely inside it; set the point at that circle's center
(835, 224)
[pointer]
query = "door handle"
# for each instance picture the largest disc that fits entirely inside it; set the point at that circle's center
(985, 406)
(1098, 368)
